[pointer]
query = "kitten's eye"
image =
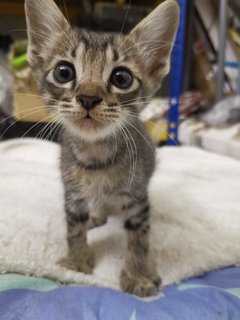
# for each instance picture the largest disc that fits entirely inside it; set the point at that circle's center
(121, 78)
(64, 72)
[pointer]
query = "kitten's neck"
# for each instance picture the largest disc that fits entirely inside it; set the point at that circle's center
(98, 153)
(121, 145)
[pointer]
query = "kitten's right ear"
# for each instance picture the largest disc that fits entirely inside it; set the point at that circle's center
(44, 22)
(155, 36)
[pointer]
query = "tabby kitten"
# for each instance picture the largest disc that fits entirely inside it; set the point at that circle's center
(95, 85)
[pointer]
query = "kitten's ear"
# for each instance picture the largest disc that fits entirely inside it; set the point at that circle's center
(155, 36)
(44, 22)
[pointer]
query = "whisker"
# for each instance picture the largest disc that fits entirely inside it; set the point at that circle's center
(12, 124)
(37, 109)
(65, 8)
(125, 18)
(134, 160)
(124, 21)
(139, 98)
(154, 124)
(36, 124)
(46, 127)
(133, 103)
(51, 128)
(129, 149)
(55, 130)
(132, 151)
(33, 95)
(116, 148)
(42, 131)
(150, 146)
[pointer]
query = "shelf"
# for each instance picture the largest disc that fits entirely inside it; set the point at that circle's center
(16, 9)
(235, 5)
(235, 47)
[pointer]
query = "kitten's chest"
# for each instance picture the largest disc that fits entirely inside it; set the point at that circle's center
(96, 170)
(98, 183)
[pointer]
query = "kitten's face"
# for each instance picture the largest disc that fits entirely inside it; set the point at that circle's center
(96, 83)
(97, 80)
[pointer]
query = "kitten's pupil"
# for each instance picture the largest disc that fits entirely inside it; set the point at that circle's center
(64, 73)
(121, 78)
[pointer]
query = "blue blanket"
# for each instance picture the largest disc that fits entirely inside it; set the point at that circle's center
(215, 295)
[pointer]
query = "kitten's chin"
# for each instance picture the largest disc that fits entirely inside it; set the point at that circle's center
(90, 129)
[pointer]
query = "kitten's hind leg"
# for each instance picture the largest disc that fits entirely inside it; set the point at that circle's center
(139, 274)
(80, 256)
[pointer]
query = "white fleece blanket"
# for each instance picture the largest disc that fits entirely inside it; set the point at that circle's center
(196, 215)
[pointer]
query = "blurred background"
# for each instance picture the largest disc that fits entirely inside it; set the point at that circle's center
(199, 102)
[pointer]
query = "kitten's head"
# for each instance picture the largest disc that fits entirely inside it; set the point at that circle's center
(95, 83)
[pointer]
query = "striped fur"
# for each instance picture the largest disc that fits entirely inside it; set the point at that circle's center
(107, 160)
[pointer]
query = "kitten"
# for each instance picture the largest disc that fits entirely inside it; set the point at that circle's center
(95, 85)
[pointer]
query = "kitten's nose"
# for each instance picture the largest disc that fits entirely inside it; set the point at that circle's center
(88, 102)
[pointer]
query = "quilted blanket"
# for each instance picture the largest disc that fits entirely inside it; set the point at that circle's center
(215, 296)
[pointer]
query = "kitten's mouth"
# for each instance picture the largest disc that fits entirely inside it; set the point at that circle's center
(88, 122)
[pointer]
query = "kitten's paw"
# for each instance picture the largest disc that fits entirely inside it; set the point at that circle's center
(157, 281)
(95, 222)
(83, 262)
(154, 277)
(139, 285)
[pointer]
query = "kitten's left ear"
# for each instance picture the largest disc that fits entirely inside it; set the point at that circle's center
(45, 22)
(155, 36)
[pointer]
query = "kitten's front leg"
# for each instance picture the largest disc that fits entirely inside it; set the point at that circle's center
(98, 216)
(139, 274)
(80, 255)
